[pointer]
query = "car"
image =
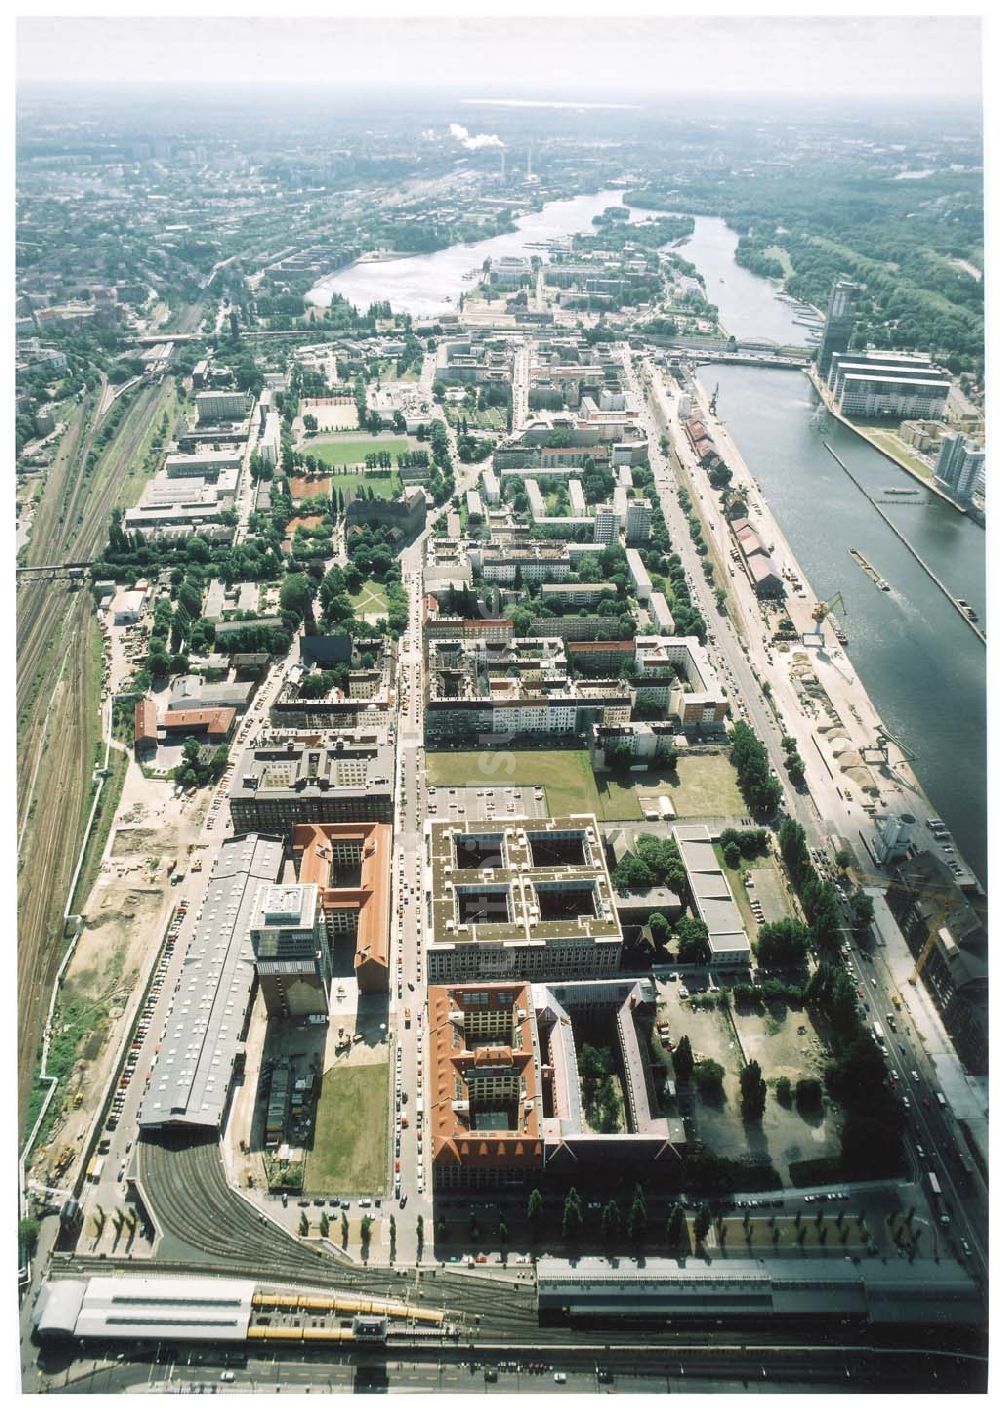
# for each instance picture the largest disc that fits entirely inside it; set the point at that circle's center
(560, 1378)
(227, 1376)
(303, 1202)
(284, 1200)
(966, 1249)
(402, 1201)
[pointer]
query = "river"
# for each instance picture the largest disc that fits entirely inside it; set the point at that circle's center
(923, 668)
(747, 303)
(425, 284)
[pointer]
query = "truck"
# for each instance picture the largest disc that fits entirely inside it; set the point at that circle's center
(878, 1034)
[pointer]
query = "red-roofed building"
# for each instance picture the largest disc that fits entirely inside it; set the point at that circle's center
(145, 727)
(215, 725)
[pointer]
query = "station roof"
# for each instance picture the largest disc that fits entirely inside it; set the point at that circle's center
(146, 1307)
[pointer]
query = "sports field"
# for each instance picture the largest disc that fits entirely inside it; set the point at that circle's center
(351, 449)
(383, 486)
(349, 1151)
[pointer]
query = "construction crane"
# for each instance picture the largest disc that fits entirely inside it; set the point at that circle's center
(712, 402)
(820, 612)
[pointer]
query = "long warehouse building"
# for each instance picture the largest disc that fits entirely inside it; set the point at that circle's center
(191, 1080)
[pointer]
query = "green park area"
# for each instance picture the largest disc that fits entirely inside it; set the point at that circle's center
(703, 784)
(369, 600)
(349, 1151)
(351, 449)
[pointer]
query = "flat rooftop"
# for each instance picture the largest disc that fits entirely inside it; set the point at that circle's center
(538, 880)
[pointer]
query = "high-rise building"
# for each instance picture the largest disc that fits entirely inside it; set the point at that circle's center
(292, 959)
(960, 464)
(607, 524)
(839, 323)
(638, 521)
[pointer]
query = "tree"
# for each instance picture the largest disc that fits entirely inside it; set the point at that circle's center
(683, 1060)
(420, 1235)
(572, 1219)
(731, 855)
(692, 940)
(753, 1091)
(809, 1093)
(782, 944)
(659, 928)
(535, 1211)
(708, 1077)
(862, 910)
(324, 1226)
(637, 1215)
(344, 1230)
(28, 1230)
(631, 873)
(783, 1091)
(392, 1237)
(611, 1222)
(842, 860)
(366, 1236)
(303, 1225)
(296, 595)
(702, 1222)
(676, 1225)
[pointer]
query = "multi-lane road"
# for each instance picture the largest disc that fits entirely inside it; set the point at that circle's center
(743, 665)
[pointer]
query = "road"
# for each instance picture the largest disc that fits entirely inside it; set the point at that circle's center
(744, 664)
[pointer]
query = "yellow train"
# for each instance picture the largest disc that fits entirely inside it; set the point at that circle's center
(345, 1305)
(299, 1333)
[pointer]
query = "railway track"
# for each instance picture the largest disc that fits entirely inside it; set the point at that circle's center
(58, 677)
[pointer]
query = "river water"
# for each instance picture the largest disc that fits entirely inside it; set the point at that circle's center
(923, 667)
(425, 284)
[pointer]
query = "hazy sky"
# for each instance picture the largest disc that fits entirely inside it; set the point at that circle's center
(561, 56)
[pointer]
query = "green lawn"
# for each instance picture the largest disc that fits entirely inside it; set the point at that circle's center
(383, 486)
(703, 785)
(706, 786)
(350, 1149)
(351, 449)
(566, 776)
(370, 599)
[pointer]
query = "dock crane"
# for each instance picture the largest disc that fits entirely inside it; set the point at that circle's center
(821, 611)
(878, 752)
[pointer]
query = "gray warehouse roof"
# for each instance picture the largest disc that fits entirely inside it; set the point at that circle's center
(901, 1292)
(191, 1078)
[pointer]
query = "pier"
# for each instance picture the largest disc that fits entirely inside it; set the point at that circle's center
(908, 545)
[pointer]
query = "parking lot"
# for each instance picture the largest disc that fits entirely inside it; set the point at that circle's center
(485, 803)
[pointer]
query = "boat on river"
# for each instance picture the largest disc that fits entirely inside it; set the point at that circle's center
(870, 571)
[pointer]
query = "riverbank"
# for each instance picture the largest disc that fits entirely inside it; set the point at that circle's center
(819, 694)
(859, 430)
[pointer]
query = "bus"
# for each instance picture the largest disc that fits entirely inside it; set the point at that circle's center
(933, 1184)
